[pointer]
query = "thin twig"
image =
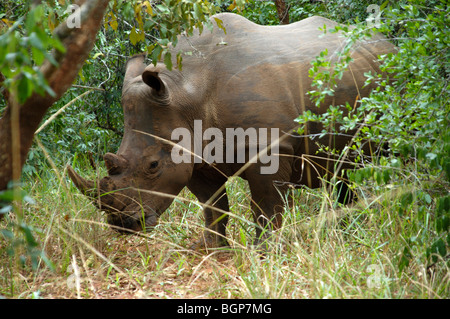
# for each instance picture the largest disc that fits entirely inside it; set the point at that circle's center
(51, 118)
(87, 87)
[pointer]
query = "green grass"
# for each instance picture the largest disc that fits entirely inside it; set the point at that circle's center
(320, 252)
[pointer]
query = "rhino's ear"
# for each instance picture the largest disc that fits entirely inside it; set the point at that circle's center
(152, 79)
(134, 67)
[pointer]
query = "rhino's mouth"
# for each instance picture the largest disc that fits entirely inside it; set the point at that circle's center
(134, 218)
(123, 216)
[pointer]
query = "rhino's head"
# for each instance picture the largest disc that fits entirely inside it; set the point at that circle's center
(142, 178)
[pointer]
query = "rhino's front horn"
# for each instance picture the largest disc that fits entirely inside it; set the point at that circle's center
(85, 186)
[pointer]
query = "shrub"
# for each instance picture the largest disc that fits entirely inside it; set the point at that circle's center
(408, 113)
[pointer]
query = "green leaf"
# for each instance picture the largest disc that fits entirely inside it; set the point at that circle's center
(378, 177)
(57, 44)
(113, 22)
(134, 37)
(6, 209)
(155, 51)
(386, 176)
(38, 56)
(406, 199)
(24, 89)
(168, 60)
(428, 198)
(220, 24)
(27, 231)
(431, 156)
(198, 14)
(404, 259)
(441, 247)
(446, 223)
(80, 74)
(35, 41)
(180, 60)
(7, 233)
(384, 4)
(97, 55)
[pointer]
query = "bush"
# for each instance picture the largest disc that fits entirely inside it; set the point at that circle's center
(409, 113)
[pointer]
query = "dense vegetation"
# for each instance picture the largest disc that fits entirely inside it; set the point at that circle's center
(394, 242)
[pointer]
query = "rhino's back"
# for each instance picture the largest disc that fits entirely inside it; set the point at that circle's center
(243, 42)
(257, 76)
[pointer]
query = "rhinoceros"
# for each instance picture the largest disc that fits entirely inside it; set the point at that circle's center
(241, 76)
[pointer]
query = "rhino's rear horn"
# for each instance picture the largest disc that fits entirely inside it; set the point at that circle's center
(114, 163)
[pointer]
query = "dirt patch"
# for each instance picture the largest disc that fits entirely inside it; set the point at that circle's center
(139, 269)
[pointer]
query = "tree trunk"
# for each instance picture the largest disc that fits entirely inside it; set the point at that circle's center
(20, 121)
(282, 11)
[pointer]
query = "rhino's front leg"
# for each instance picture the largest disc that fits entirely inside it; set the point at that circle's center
(267, 198)
(203, 187)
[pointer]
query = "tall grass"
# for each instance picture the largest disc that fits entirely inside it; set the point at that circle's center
(320, 252)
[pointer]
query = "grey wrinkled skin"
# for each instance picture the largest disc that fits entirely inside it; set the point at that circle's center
(249, 77)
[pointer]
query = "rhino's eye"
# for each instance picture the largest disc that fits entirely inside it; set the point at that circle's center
(153, 165)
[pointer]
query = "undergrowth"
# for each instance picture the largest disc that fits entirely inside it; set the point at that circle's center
(320, 252)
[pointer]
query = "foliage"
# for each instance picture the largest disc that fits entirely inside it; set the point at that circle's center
(264, 11)
(156, 25)
(261, 12)
(318, 253)
(351, 12)
(20, 235)
(16, 62)
(408, 112)
(401, 221)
